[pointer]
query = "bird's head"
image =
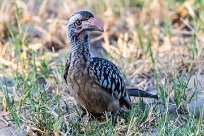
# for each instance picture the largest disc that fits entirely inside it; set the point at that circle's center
(82, 22)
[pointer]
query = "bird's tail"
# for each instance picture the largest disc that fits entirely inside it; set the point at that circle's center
(141, 93)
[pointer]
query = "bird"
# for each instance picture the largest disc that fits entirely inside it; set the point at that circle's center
(95, 83)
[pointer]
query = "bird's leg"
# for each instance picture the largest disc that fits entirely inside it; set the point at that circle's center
(84, 112)
(113, 117)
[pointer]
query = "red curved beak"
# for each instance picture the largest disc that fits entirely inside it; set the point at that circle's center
(95, 24)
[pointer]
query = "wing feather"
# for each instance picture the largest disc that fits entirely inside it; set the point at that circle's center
(66, 69)
(107, 75)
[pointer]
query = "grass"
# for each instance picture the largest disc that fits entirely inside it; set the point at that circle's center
(149, 54)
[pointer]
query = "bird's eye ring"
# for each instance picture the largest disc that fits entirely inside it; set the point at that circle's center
(78, 22)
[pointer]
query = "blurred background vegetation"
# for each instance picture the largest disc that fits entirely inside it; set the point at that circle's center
(157, 44)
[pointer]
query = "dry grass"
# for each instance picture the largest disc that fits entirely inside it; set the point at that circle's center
(158, 46)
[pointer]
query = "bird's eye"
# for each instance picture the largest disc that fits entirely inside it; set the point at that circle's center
(78, 22)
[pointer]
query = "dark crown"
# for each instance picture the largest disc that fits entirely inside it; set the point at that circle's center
(84, 14)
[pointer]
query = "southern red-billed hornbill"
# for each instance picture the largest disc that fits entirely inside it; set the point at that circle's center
(95, 83)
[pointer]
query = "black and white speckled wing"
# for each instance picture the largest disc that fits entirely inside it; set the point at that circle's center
(106, 74)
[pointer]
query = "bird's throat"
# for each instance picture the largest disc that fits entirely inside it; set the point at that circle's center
(81, 48)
